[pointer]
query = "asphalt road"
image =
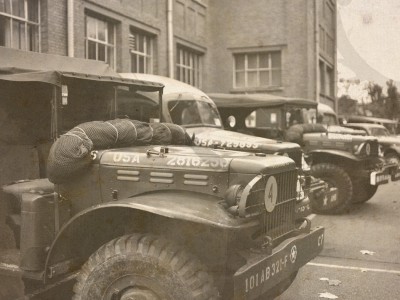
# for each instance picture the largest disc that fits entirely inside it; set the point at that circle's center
(372, 226)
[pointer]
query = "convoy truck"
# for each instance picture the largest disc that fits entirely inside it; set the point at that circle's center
(152, 221)
(350, 163)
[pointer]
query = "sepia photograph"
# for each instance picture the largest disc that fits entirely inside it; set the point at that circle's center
(199, 149)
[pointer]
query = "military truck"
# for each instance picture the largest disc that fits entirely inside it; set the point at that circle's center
(350, 163)
(144, 221)
(389, 142)
(196, 112)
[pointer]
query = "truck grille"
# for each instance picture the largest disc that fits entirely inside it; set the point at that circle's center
(281, 220)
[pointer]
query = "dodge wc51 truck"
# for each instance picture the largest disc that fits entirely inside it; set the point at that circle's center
(191, 108)
(144, 221)
(349, 163)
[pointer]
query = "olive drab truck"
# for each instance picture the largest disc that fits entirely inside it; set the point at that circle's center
(148, 220)
(350, 163)
(191, 108)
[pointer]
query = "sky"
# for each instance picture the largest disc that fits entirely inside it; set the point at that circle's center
(369, 40)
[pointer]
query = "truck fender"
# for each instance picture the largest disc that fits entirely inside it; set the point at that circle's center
(89, 229)
(394, 149)
(332, 153)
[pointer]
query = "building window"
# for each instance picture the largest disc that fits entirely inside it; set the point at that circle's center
(19, 24)
(188, 66)
(100, 40)
(326, 80)
(262, 69)
(329, 13)
(141, 47)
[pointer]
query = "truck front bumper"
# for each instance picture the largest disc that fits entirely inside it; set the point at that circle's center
(262, 271)
(387, 173)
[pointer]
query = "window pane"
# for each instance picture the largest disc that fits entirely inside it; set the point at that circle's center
(33, 11)
(101, 30)
(276, 59)
(264, 63)
(91, 27)
(276, 77)
(5, 6)
(33, 38)
(22, 34)
(141, 64)
(110, 55)
(133, 63)
(149, 66)
(240, 79)
(110, 33)
(101, 52)
(264, 78)
(149, 46)
(91, 50)
(140, 43)
(18, 8)
(239, 61)
(16, 39)
(5, 32)
(252, 61)
(252, 79)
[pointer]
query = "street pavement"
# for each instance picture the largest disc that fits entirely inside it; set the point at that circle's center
(372, 226)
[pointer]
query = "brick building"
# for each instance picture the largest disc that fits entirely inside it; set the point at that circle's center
(286, 47)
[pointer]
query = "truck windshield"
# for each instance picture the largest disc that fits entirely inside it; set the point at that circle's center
(379, 132)
(193, 113)
(301, 116)
(327, 119)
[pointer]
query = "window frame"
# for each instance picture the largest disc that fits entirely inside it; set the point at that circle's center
(193, 71)
(23, 20)
(149, 41)
(97, 41)
(258, 69)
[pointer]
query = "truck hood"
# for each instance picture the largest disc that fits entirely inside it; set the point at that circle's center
(192, 158)
(389, 140)
(344, 130)
(206, 136)
(338, 137)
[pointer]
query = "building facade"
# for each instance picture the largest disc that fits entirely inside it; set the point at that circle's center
(284, 47)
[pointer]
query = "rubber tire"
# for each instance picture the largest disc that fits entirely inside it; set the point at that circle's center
(339, 178)
(363, 191)
(159, 263)
(393, 158)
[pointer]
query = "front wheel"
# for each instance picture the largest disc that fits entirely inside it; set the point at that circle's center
(363, 191)
(143, 266)
(337, 178)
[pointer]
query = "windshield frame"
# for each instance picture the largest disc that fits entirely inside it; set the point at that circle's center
(200, 101)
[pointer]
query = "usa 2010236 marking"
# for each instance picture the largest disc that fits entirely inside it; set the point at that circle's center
(193, 161)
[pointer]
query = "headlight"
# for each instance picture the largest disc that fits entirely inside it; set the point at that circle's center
(363, 148)
(300, 189)
(233, 194)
